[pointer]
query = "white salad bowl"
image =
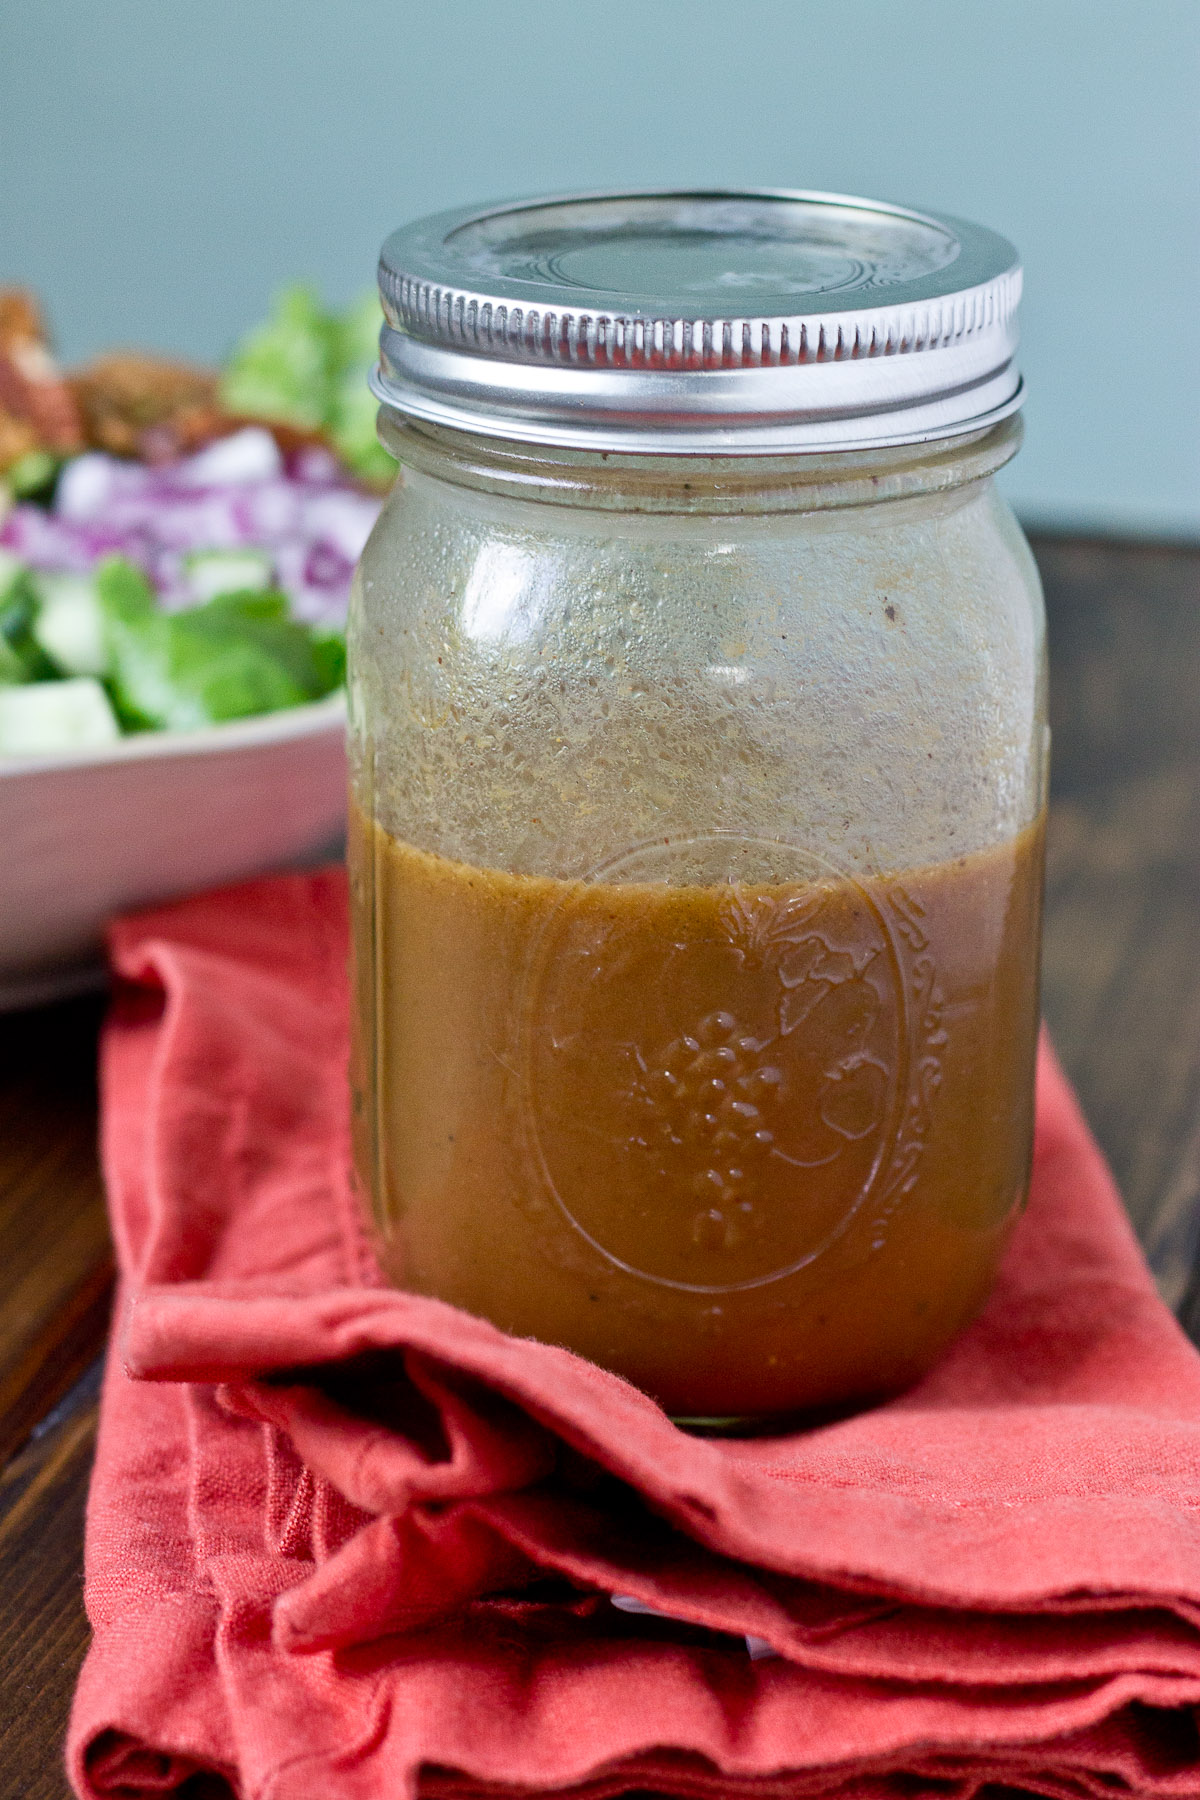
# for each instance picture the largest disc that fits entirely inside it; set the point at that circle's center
(86, 836)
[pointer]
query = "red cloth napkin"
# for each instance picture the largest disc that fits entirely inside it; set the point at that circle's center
(349, 1544)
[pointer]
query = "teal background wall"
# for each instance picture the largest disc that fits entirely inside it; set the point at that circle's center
(164, 165)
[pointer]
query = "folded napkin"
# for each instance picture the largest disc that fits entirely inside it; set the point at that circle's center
(353, 1544)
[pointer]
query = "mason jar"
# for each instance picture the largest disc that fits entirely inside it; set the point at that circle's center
(699, 760)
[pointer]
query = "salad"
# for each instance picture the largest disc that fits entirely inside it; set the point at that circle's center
(165, 565)
(84, 658)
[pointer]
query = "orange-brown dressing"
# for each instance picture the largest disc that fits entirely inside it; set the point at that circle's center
(755, 1148)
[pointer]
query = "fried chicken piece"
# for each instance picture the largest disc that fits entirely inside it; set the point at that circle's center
(37, 407)
(148, 407)
(18, 439)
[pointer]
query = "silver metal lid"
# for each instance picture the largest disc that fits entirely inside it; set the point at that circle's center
(700, 323)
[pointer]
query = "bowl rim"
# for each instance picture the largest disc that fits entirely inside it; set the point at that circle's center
(309, 720)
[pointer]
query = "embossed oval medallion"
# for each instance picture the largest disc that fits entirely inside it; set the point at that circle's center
(712, 1072)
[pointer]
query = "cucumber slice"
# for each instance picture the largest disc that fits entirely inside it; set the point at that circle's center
(70, 625)
(45, 716)
(213, 572)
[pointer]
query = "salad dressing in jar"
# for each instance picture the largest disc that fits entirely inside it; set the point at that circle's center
(698, 766)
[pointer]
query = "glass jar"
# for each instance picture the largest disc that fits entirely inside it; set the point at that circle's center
(698, 786)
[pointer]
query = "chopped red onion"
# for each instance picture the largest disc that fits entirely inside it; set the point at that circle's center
(235, 494)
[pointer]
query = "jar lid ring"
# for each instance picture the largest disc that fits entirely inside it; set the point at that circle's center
(610, 322)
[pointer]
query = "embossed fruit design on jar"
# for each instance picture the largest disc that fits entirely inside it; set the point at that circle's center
(698, 767)
(750, 1046)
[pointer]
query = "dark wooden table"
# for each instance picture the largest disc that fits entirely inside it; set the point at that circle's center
(1122, 993)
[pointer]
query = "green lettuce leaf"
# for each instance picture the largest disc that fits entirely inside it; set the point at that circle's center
(21, 656)
(233, 657)
(308, 367)
(285, 369)
(353, 407)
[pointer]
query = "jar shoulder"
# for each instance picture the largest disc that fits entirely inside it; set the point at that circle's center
(864, 677)
(507, 573)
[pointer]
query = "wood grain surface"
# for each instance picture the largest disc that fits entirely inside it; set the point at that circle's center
(43, 1631)
(1121, 966)
(1121, 992)
(55, 1266)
